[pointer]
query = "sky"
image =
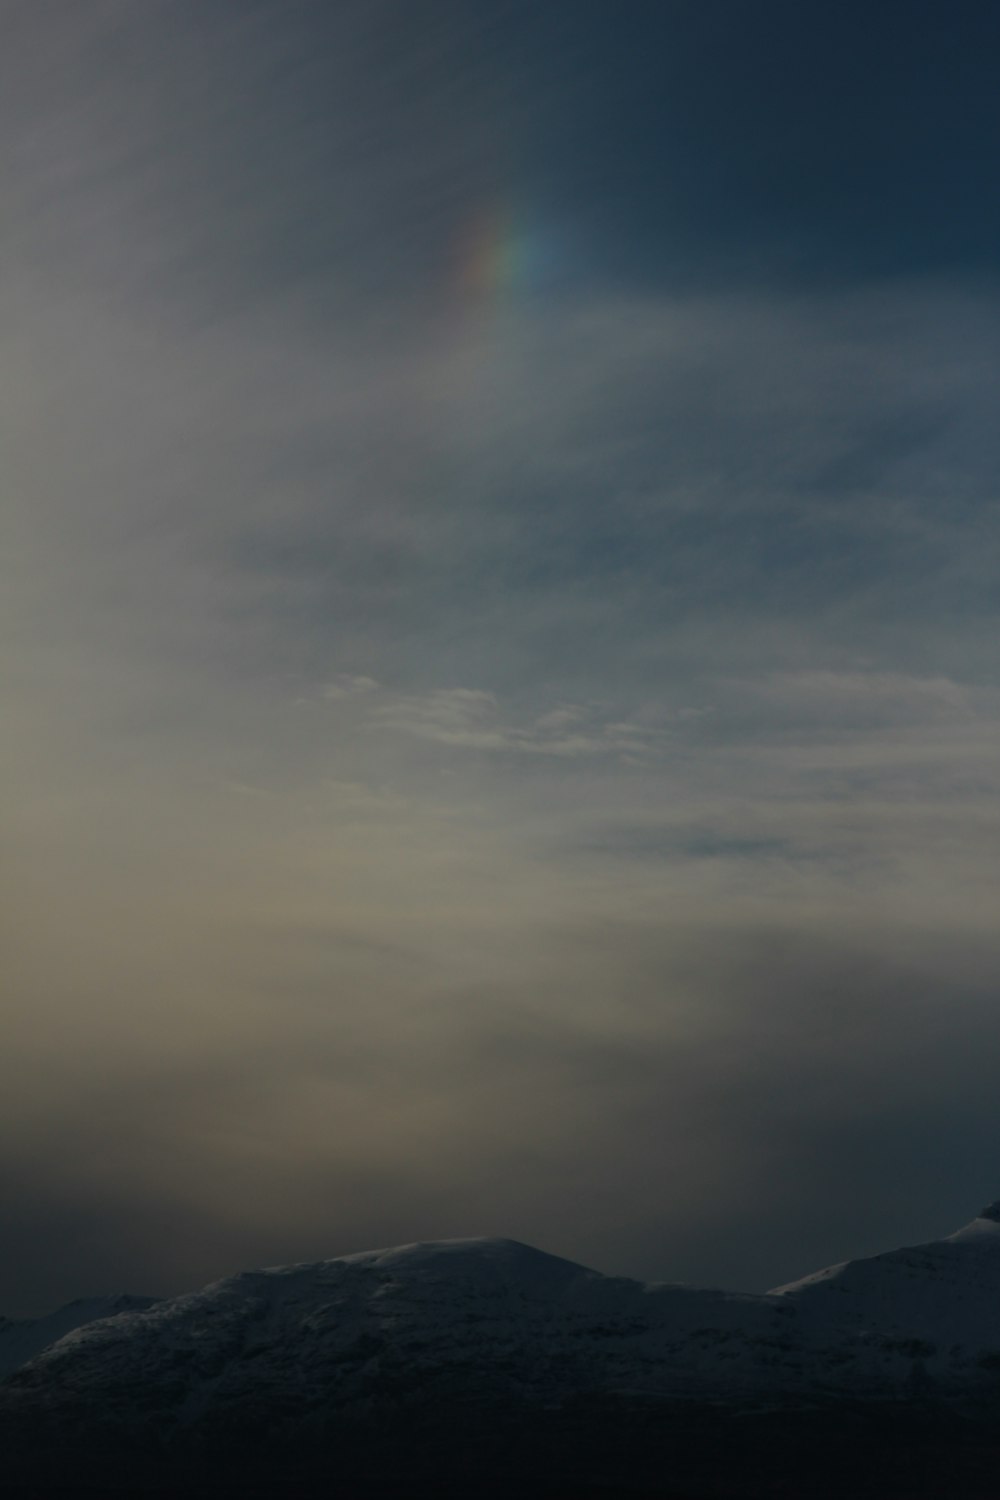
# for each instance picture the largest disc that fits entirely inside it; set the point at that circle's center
(499, 617)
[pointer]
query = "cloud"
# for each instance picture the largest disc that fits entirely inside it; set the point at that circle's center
(470, 719)
(711, 875)
(349, 685)
(874, 694)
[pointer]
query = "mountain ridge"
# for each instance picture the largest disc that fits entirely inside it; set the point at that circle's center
(485, 1335)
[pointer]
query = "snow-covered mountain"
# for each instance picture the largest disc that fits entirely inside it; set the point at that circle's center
(486, 1314)
(303, 1356)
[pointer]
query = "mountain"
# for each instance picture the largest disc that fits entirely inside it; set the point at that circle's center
(465, 1360)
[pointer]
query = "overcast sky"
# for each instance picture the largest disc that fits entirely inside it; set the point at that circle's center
(500, 622)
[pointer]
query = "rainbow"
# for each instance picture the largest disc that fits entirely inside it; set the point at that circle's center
(494, 256)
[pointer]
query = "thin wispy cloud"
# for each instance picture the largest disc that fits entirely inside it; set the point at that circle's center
(473, 719)
(871, 693)
(349, 685)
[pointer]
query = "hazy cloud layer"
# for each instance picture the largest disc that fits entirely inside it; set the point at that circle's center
(493, 745)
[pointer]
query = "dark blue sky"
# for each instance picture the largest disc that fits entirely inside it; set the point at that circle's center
(686, 143)
(709, 140)
(810, 141)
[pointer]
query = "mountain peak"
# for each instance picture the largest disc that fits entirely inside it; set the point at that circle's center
(483, 1256)
(991, 1212)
